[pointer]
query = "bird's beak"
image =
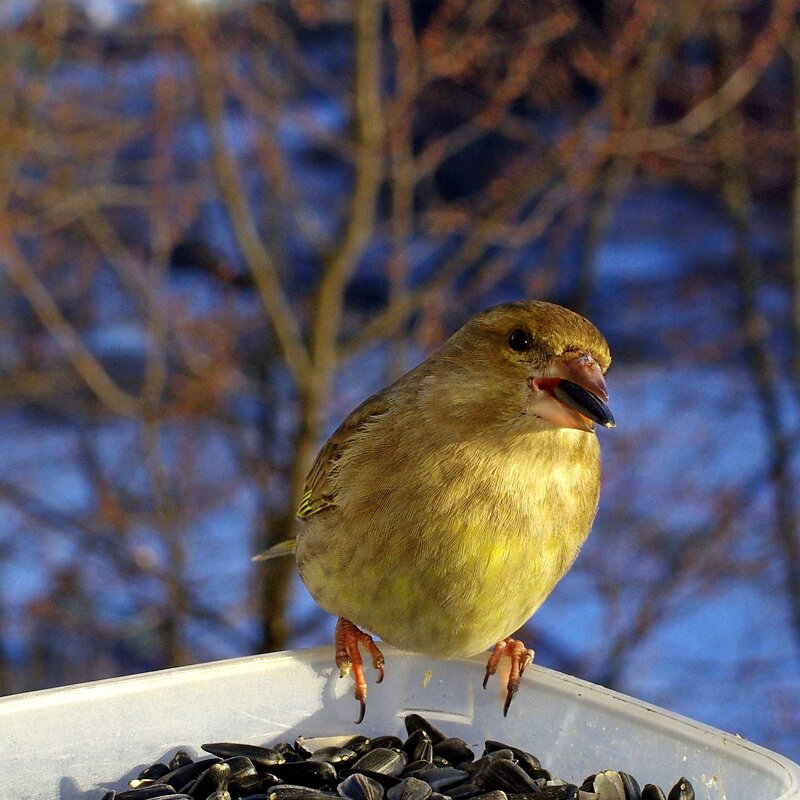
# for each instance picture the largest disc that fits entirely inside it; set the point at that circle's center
(573, 393)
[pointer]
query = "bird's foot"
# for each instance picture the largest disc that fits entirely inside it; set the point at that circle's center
(520, 657)
(347, 639)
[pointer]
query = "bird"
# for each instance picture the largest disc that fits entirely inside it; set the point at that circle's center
(445, 508)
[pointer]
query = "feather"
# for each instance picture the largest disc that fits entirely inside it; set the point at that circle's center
(285, 548)
(319, 492)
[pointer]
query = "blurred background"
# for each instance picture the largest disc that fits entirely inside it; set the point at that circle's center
(223, 224)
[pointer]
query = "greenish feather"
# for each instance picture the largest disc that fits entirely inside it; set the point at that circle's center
(285, 548)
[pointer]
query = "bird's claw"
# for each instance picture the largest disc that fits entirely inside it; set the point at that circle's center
(347, 639)
(520, 656)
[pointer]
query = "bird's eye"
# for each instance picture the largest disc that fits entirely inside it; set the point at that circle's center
(519, 340)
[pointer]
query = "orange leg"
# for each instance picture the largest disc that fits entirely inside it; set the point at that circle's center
(347, 639)
(520, 657)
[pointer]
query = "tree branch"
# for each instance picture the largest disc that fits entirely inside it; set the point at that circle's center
(40, 299)
(259, 260)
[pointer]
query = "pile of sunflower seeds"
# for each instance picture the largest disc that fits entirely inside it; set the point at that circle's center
(427, 765)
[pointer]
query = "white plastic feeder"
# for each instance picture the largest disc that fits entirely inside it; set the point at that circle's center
(77, 742)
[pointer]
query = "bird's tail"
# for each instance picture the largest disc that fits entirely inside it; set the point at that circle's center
(285, 548)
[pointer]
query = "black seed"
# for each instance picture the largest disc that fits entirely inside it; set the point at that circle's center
(287, 751)
(418, 746)
(333, 755)
(632, 789)
(240, 766)
(584, 402)
(426, 766)
(154, 771)
(467, 790)
(146, 792)
(301, 748)
(180, 759)
(289, 791)
(258, 783)
(188, 773)
(213, 780)
(317, 744)
(359, 787)
(410, 789)
(314, 774)
(526, 760)
(480, 764)
(441, 778)
(414, 766)
(415, 721)
(266, 757)
(387, 781)
(386, 743)
(682, 790)
(358, 744)
(381, 759)
(566, 791)
(455, 750)
(506, 775)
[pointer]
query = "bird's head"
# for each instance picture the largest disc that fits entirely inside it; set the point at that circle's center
(547, 361)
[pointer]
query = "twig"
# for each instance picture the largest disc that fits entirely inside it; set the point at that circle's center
(794, 52)
(738, 199)
(86, 365)
(368, 122)
(732, 91)
(259, 260)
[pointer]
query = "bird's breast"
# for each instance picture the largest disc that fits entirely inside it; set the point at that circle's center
(455, 551)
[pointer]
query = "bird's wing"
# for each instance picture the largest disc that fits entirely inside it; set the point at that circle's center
(319, 493)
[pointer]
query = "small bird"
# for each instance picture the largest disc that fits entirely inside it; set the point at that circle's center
(445, 508)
